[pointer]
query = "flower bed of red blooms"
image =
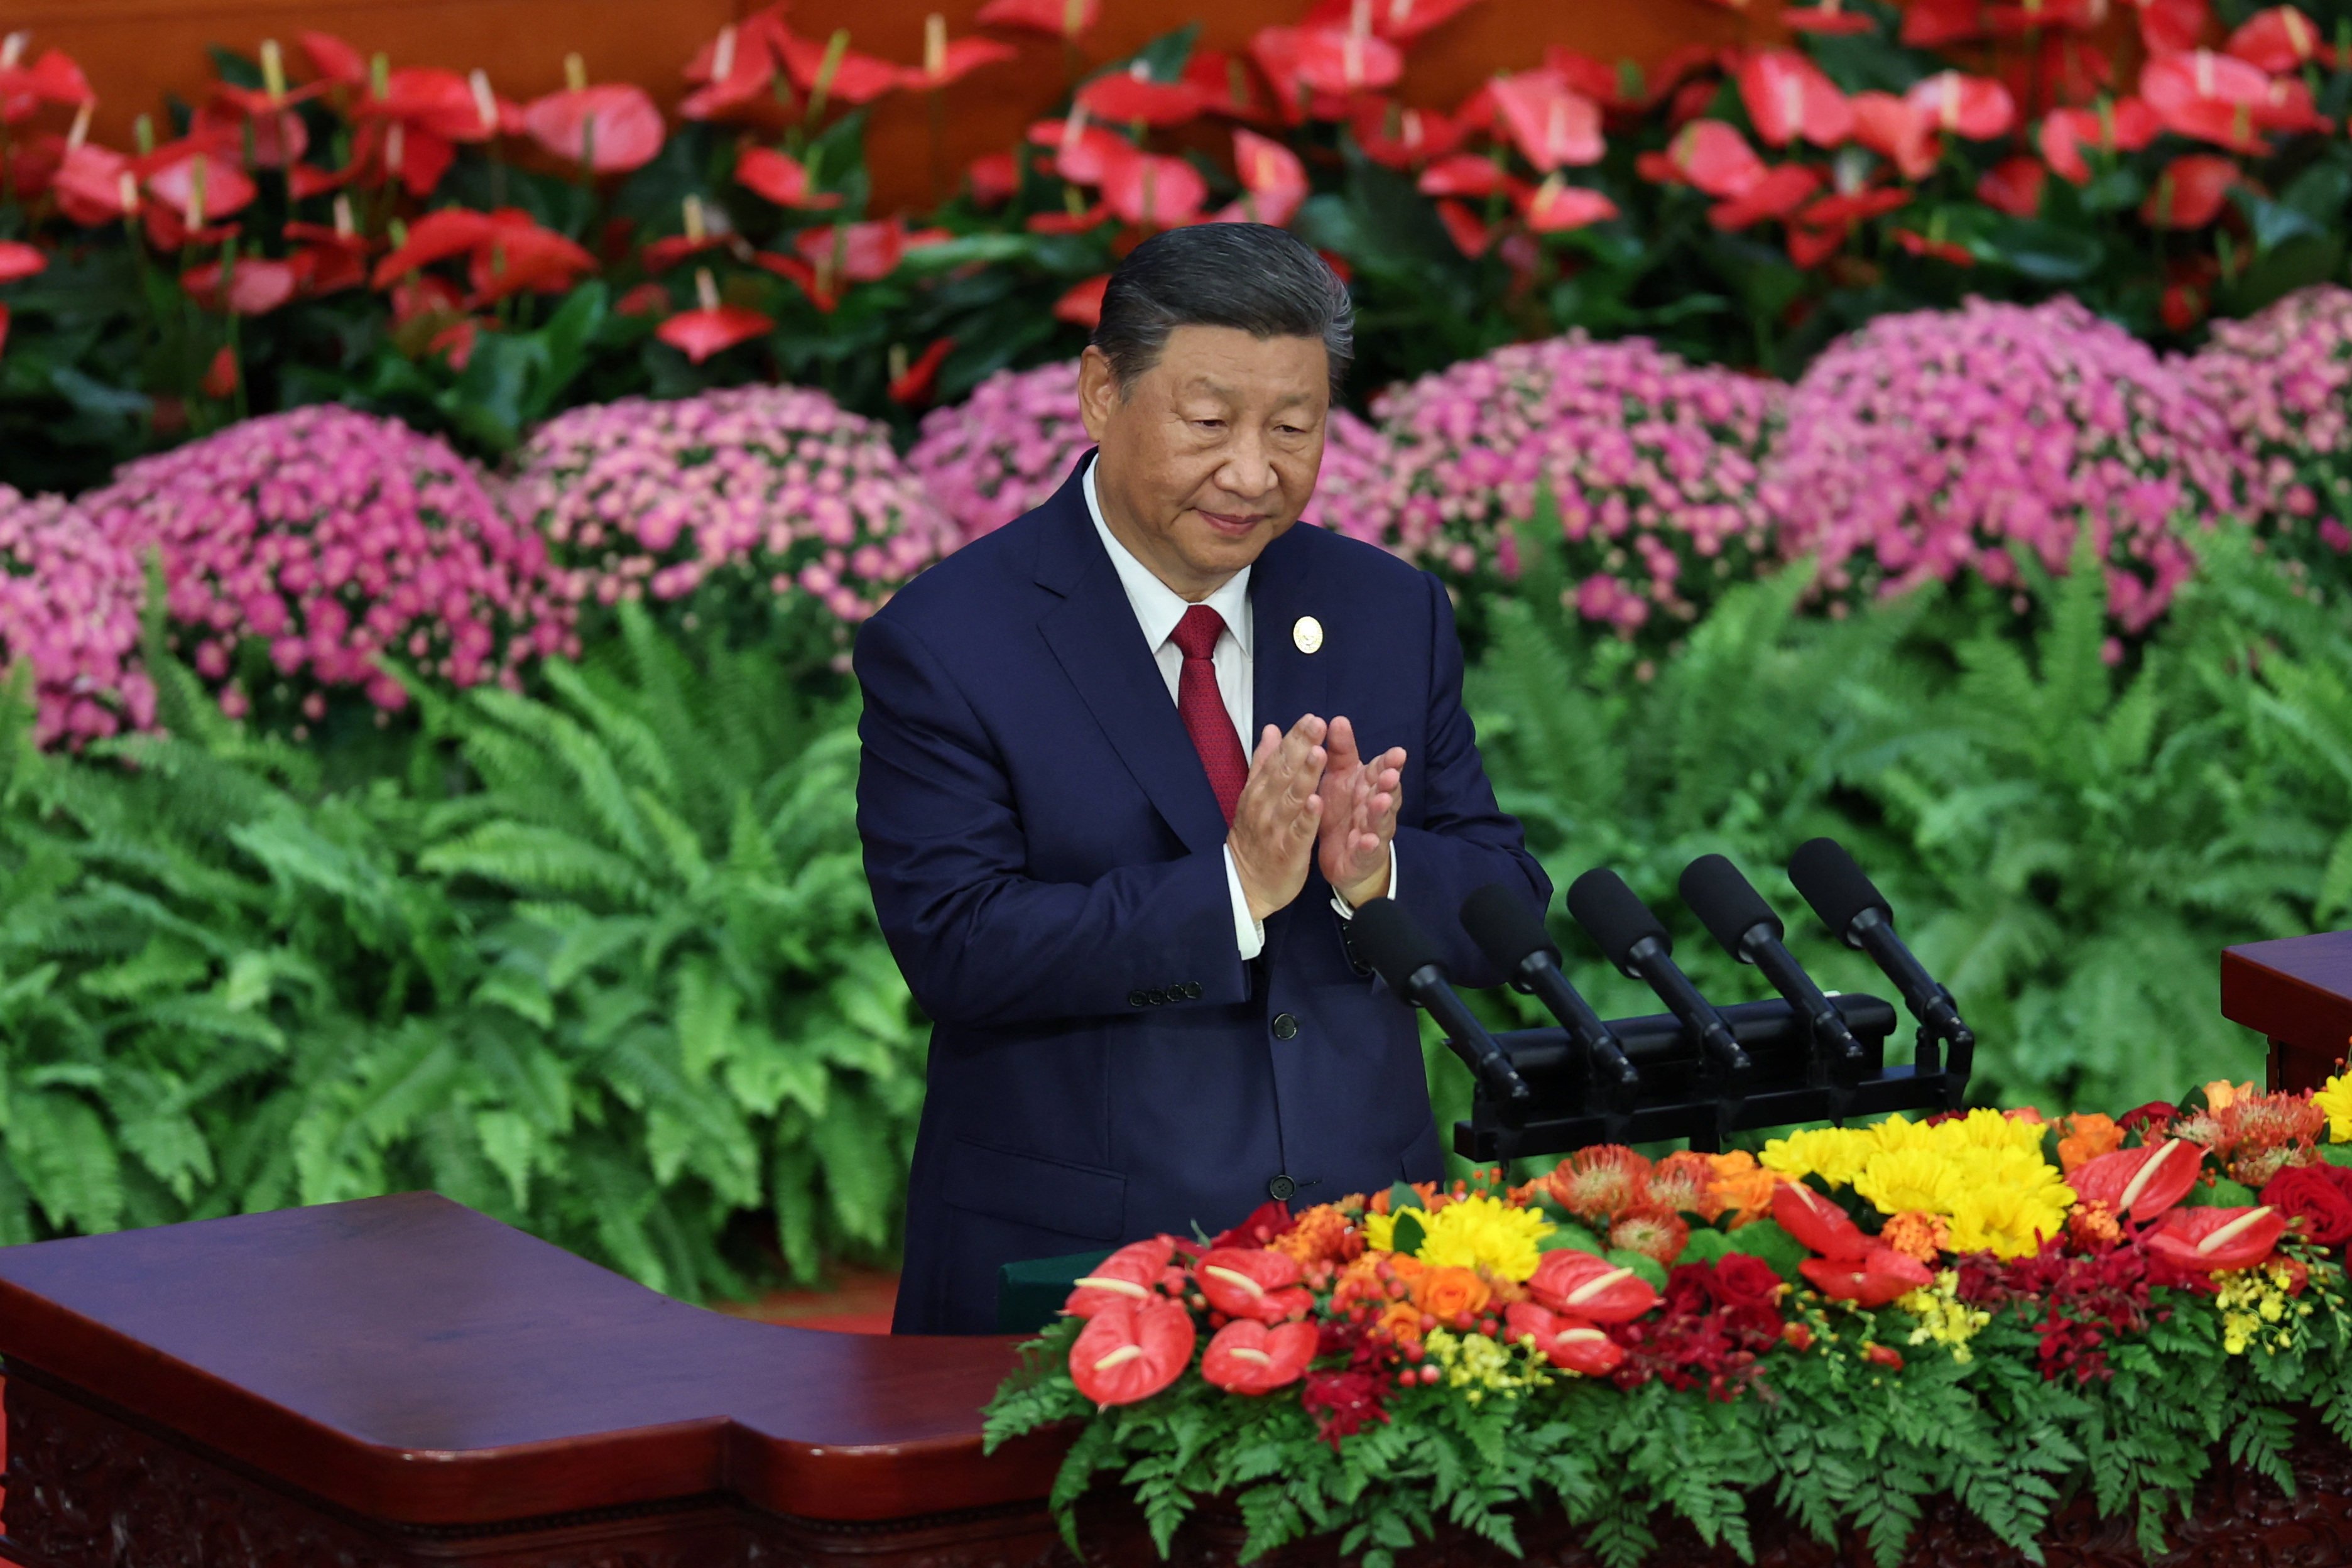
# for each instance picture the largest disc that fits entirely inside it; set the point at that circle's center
(1974, 1258)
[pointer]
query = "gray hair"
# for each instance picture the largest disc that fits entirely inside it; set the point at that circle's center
(1249, 276)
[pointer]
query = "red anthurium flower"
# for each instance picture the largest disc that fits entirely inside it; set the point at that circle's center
(781, 178)
(1463, 174)
(2287, 106)
(1826, 17)
(1581, 1285)
(1132, 1351)
(2013, 186)
(1083, 153)
(1617, 88)
(519, 257)
(1934, 249)
(1055, 19)
(1343, 62)
(1556, 207)
(1808, 246)
(613, 128)
(993, 177)
(2190, 193)
(1465, 229)
(667, 252)
(220, 377)
(54, 78)
(197, 179)
(1898, 130)
(737, 68)
(1401, 20)
(1788, 97)
(1280, 55)
(1247, 1357)
(949, 61)
(1928, 23)
(435, 236)
(438, 102)
(1563, 1339)
(1252, 1282)
(1081, 305)
(1819, 1224)
(2213, 98)
(2172, 26)
(456, 342)
(2065, 67)
(1273, 181)
(2142, 1183)
(1229, 87)
(1711, 156)
(645, 299)
(1975, 107)
(913, 385)
(1853, 207)
(1131, 1275)
(2204, 1239)
(2045, 15)
(849, 76)
(822, 287)
(1402, 138)
(2280, 39)
(1078, 222)
(1130, 96)
(334, 60)
(280, 137)
(712, 328)
(257, 286)
(18, 259)
(417, 295)
(1779, 193)
(1153, 192)
(1877, 1278)
(857, 252)
(2127, 126)
(1550, 123)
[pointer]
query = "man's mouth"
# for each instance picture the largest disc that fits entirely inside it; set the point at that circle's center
(1232, 524)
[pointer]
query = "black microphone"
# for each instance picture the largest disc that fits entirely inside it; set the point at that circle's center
(1858, 914)
(1637, 942)
(1394, 943)
(1737, 916)
(1508, 931)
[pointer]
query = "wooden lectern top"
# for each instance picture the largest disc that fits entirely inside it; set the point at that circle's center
(2297, 991)
(415, 1362)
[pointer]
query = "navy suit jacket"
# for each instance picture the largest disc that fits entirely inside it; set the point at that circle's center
(1046, 857)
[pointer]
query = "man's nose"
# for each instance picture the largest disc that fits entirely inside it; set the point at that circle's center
(1248, 467)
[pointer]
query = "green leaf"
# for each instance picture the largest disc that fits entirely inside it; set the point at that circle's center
(1641, 1263)
(1764, 1239)
(1409, 1234)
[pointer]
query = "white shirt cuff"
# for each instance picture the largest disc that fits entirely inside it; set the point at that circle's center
(1249, 935)
(1347, 911)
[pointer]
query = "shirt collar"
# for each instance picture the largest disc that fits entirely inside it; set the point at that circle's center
(1158, 608)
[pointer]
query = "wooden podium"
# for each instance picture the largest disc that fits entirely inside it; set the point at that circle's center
(2296, 992)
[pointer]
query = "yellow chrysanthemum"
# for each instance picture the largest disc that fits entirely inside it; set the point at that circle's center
(1484, 1232)
(1380, 1232)
(1983, 1129)
(1836, 1154)
(2335, 1096)
(1900, 1133)
(1901, 1179)
(2008, 1203)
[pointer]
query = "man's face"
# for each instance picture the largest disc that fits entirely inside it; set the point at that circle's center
(1211, 455)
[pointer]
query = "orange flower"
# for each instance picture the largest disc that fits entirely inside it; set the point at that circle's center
(1444, 1292)
(1428, 1191)
(1402, 1321)
(1916, 1235)
(1741, 1186)
(2086, 1137)
(1321, 1234)
(1684, 1182)
(2094, 1224)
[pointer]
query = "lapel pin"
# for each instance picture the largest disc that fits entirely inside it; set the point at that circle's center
(1306, 633)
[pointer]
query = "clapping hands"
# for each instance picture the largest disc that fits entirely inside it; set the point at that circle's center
(1312, 797)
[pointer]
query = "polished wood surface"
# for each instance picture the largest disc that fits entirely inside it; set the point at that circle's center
(138, 50)
(414, 1362)
(2297, 991)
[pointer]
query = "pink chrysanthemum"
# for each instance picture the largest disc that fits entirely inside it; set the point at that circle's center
(302, 548)
(2283, 380)
(1010, 444)
(69, 600)
(1927, 444)
(726, 502)
(1651, 462)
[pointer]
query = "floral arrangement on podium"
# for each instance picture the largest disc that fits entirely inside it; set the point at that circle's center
(2004, 1307)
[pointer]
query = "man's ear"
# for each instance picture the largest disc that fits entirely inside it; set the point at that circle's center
(1098, 390)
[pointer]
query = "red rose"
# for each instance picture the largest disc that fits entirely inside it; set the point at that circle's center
(1743, 1279)
(2147, 1120)
(2315, 1197)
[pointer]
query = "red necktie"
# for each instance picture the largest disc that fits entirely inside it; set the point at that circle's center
(1202, 707)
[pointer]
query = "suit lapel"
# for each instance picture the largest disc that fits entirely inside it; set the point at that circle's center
(1289, 683)
(1094, 634)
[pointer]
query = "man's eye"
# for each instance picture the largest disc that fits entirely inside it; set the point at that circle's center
(1210, 423)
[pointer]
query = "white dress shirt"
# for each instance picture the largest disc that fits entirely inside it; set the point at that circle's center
(1158, 608)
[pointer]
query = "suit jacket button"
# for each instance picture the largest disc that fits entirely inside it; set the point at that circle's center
(1137, 999)
(1191, 991)
(1282, 1189)
(1285, 1028)
(1157, 998)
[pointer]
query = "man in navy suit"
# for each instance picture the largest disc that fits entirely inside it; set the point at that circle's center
(1130, 932)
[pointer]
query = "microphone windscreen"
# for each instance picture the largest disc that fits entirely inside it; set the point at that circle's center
(1392, 941)
(1506, 927)
(1725, 904)
(1830, 880)
(1610, 913)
